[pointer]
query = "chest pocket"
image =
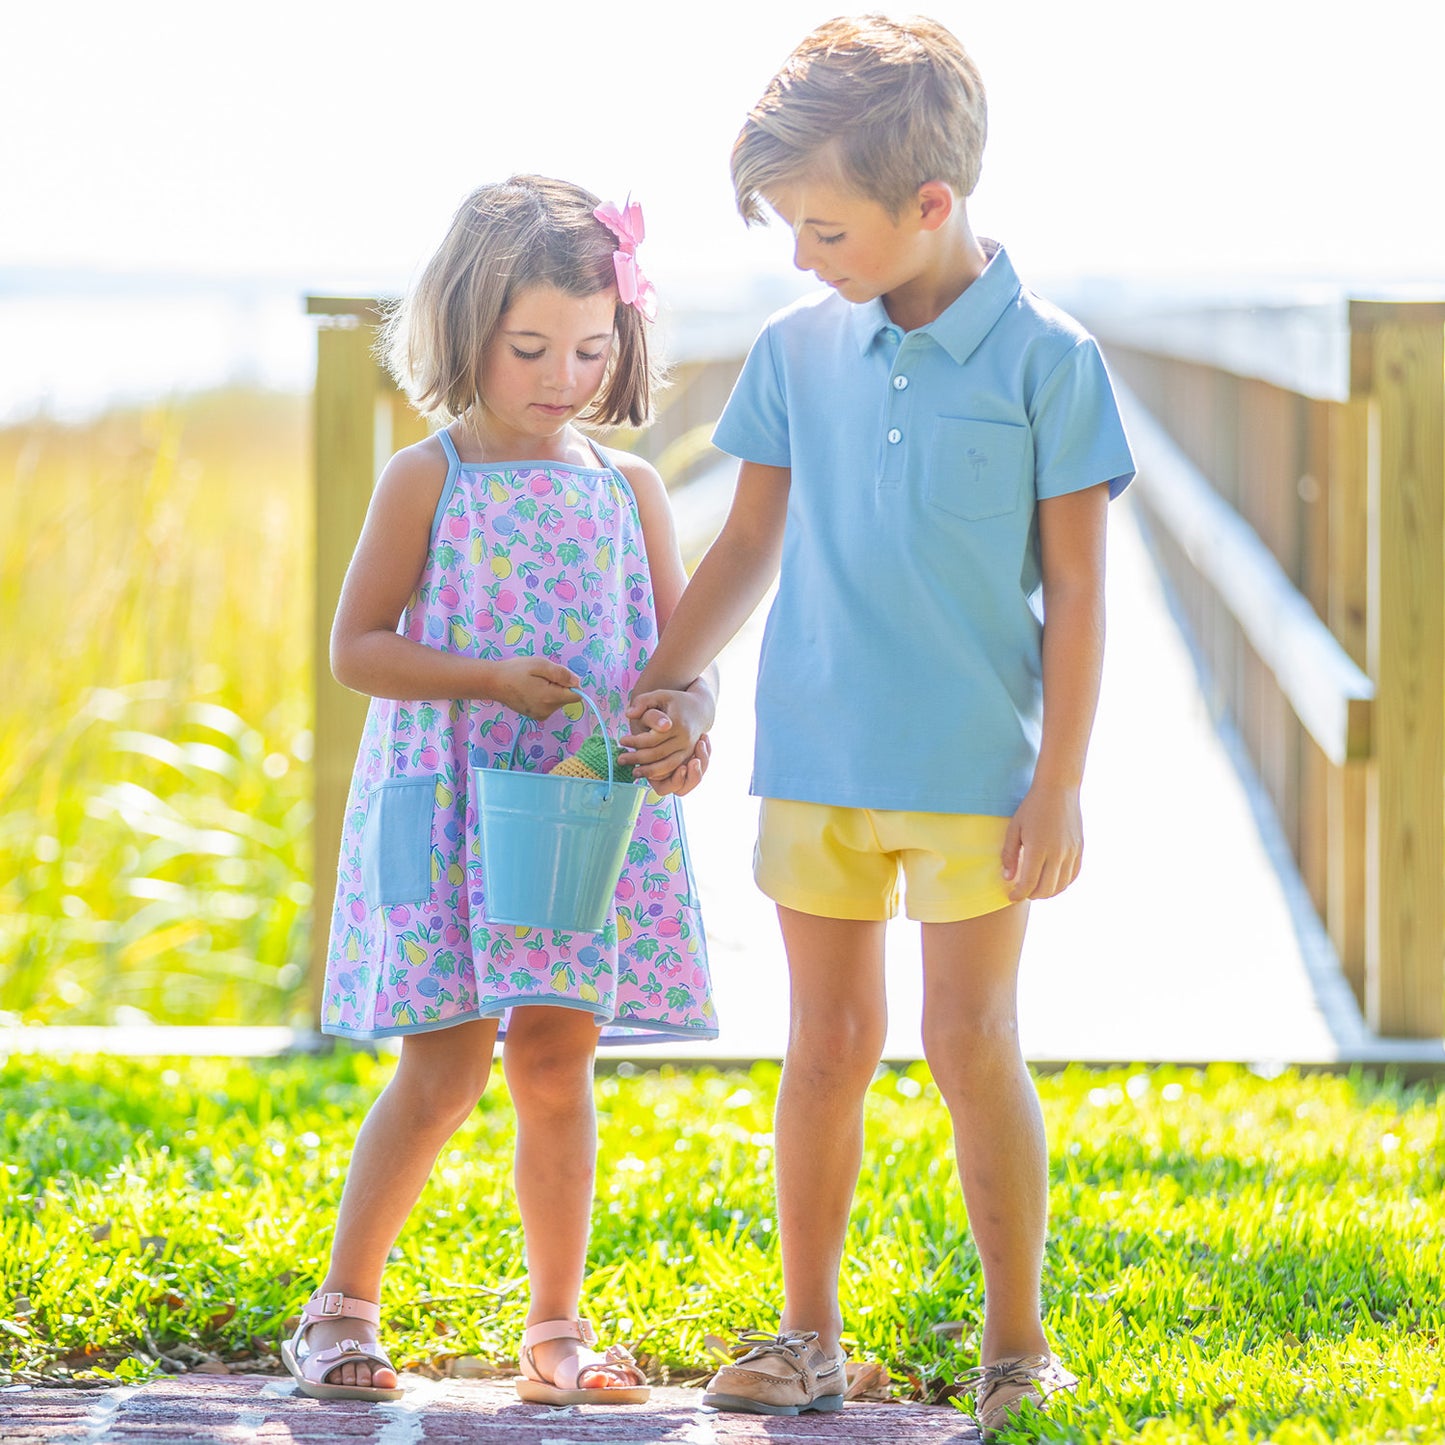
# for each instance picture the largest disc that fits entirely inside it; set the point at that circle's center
(978, 468)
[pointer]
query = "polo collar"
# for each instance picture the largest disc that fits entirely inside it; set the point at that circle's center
(965, 323)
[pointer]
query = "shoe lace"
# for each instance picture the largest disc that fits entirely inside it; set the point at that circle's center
(984, 1380)
(794, 1342)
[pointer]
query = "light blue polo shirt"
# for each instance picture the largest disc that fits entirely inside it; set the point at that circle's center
(901, 662)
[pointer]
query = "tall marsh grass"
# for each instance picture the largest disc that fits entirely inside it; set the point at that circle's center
(155, 605)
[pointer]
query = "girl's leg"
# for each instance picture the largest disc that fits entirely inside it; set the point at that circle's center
(970, 1038)
(548, 1055)
(438, 1080)
(837, 1023)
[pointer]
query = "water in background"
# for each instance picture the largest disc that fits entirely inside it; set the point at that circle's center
(74, 342)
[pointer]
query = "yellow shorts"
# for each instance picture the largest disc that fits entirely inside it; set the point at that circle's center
(845, 862)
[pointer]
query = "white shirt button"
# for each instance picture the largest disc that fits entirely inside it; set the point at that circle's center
(899, 383)
(895, 436)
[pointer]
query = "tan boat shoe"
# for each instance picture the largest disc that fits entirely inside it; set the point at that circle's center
(789, 1375)
(1000, 1389)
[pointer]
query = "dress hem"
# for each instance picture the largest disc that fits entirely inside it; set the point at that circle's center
(645, 1031)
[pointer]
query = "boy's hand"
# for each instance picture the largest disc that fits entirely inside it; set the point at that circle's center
(1044, 846)
(685, 778)
(532, 686)
(668, 745)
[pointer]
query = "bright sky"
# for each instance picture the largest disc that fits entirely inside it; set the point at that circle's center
(334, 140)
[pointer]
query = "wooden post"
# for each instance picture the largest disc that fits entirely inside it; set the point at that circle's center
(1398, 362)
(407, 425)
(345, 461)
(1346, 613)
(1315, 769)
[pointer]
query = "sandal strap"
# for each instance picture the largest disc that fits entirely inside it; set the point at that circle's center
(345, 1352)
(559, 1330)
(616, 1358)
(333, 1305)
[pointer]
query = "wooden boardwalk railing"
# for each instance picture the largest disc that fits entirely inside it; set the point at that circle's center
(1292, 475)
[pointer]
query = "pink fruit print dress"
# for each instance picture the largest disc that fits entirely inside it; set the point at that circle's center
(526, 559)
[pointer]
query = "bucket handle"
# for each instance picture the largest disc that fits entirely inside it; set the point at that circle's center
(602, 727)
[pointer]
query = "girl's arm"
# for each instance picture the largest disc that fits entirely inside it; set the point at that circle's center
(369, 655)
(1044, 847)
(678, 719)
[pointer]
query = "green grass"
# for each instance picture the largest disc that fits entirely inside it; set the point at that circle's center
(155, 792)
(1232, 1259)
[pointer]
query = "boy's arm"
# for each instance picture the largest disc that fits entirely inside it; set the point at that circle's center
(728, 583)
(681, 719)
(1045, 843)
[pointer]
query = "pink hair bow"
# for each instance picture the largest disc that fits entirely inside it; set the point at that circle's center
(633, 288)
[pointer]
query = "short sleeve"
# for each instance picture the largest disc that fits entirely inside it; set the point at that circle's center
(1079, 439)
(754, 423)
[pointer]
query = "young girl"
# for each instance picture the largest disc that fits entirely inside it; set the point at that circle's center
(506, 564)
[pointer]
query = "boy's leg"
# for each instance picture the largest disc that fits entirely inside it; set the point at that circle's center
(837, 1023)
(438, 1080)
(836, 1027)
(548, 1058)
(970, 1038)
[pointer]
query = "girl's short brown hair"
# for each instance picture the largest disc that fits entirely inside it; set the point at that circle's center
(882, 105)
(506, 236)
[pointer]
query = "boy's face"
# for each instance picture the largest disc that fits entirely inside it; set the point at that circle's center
(848, 241)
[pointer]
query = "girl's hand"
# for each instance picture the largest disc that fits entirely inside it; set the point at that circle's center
(532, 686)
(665, 749)
(1044, 846)
(685, 778)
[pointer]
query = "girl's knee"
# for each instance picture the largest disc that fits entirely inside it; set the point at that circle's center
(439, 1100)
(554, 1076)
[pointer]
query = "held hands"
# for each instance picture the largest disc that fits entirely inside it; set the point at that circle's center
(532, 686)
(669, 745)
(1044, 846)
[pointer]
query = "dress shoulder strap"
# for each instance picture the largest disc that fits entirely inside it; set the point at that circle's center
(454, 469)
(609, 465)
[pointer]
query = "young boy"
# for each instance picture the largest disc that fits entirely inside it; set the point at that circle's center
(928, 450)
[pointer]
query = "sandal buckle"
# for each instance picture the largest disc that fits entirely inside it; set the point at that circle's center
(329, 1304)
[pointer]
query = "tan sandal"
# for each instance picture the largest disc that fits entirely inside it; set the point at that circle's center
(309, 1368)
(534, 1387)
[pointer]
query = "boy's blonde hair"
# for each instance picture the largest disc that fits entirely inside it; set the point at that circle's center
(506, 236)
(879, 105)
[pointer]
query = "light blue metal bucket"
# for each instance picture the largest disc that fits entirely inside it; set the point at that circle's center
(553, 848)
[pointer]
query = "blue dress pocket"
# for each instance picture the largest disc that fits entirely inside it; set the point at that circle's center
(978, 467)
(396, 841)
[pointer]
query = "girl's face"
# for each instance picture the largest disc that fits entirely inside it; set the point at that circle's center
(546, 360)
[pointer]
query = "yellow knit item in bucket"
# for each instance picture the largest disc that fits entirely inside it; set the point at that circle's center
(590, 761)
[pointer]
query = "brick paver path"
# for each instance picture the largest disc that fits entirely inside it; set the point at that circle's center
(237, 1408)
